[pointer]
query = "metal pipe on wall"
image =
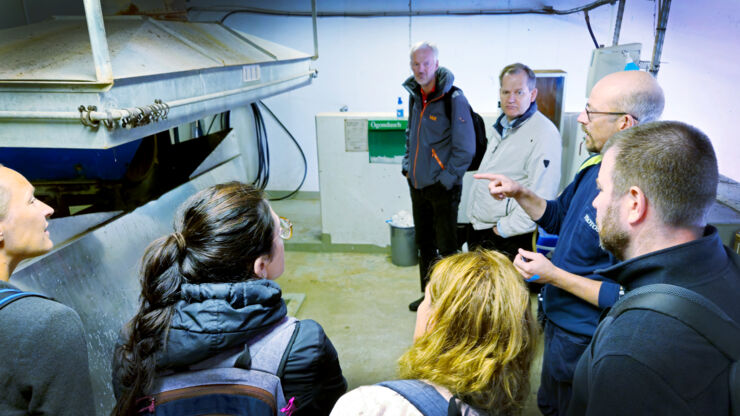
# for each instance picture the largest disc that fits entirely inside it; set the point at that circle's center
(98, 41)
(315, 32)
(663, 9)
(618, 22)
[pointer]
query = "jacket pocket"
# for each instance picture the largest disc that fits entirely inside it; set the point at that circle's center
(439, 162)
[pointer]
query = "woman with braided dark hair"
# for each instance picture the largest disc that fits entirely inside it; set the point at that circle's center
(207, 288)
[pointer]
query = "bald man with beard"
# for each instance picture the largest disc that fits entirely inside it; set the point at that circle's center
(574, 295)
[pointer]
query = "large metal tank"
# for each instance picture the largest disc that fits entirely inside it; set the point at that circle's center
(81, 99)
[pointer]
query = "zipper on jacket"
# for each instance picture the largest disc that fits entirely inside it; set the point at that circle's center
(439, 162)
(418, 138)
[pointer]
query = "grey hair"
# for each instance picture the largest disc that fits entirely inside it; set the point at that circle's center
(424, 45)
(645, 104)
(517, 68)
(673, 163)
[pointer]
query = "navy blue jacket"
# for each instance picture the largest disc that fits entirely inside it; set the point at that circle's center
(213, 318)
(646, 363)
(573, 218)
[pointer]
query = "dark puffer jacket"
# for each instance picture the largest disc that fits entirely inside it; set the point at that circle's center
(212, 318)
(438, 148)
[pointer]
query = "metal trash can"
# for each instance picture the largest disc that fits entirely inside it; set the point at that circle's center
(403, 246)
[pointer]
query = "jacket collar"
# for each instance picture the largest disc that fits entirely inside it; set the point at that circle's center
(682, 264)
(443, 82)
(518, 122)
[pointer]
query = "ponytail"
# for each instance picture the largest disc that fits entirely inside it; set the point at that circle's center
(146, 332)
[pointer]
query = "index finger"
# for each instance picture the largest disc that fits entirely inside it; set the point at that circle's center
(489, 176)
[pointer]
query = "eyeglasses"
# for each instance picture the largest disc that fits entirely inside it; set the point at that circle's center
(588, 114)
(286, 228)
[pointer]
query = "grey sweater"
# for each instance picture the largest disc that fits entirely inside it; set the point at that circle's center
(44, 369)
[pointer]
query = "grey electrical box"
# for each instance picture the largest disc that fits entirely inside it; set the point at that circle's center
(605, 61)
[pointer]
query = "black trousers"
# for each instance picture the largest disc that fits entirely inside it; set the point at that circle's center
(435, 222)
(488, 240)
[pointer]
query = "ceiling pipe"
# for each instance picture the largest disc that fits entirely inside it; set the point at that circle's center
(545, 10)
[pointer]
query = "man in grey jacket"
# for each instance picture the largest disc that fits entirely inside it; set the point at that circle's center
(44, 370)
(524, 146)
(440, 144)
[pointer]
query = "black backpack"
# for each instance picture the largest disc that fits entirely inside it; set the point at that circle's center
(696, 312)
(481, 141)
(479, 126)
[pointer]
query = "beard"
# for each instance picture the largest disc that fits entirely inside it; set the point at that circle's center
(591, 144)
(612, 237)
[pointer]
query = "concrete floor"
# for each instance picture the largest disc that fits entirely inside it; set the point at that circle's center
(361, 299)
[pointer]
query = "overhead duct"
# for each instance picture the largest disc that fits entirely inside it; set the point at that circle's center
(165, 73)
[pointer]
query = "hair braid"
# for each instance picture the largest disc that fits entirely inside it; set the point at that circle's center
(160, 282)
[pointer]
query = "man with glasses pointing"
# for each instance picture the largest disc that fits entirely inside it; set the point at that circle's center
(574, 295)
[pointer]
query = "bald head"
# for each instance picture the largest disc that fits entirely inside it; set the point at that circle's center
(633, 92)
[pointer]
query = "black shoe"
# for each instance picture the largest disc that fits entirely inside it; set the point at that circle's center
(413, 306)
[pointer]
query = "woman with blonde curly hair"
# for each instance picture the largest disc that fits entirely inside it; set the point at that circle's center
(475, 339)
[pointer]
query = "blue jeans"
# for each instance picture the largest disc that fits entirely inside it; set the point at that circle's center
(562, 351)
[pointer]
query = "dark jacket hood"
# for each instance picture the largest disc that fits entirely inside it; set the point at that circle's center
(443, 82)
(211, 318)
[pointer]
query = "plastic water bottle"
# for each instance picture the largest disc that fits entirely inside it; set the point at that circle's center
(399, 108)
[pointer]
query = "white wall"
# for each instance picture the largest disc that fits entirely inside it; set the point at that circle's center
(364, 60)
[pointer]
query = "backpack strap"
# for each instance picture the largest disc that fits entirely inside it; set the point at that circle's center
(281, 368)
(699, 314)
(8, 296)
(423, 396)
(265, 353)
(689, 307)
(448, 101)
